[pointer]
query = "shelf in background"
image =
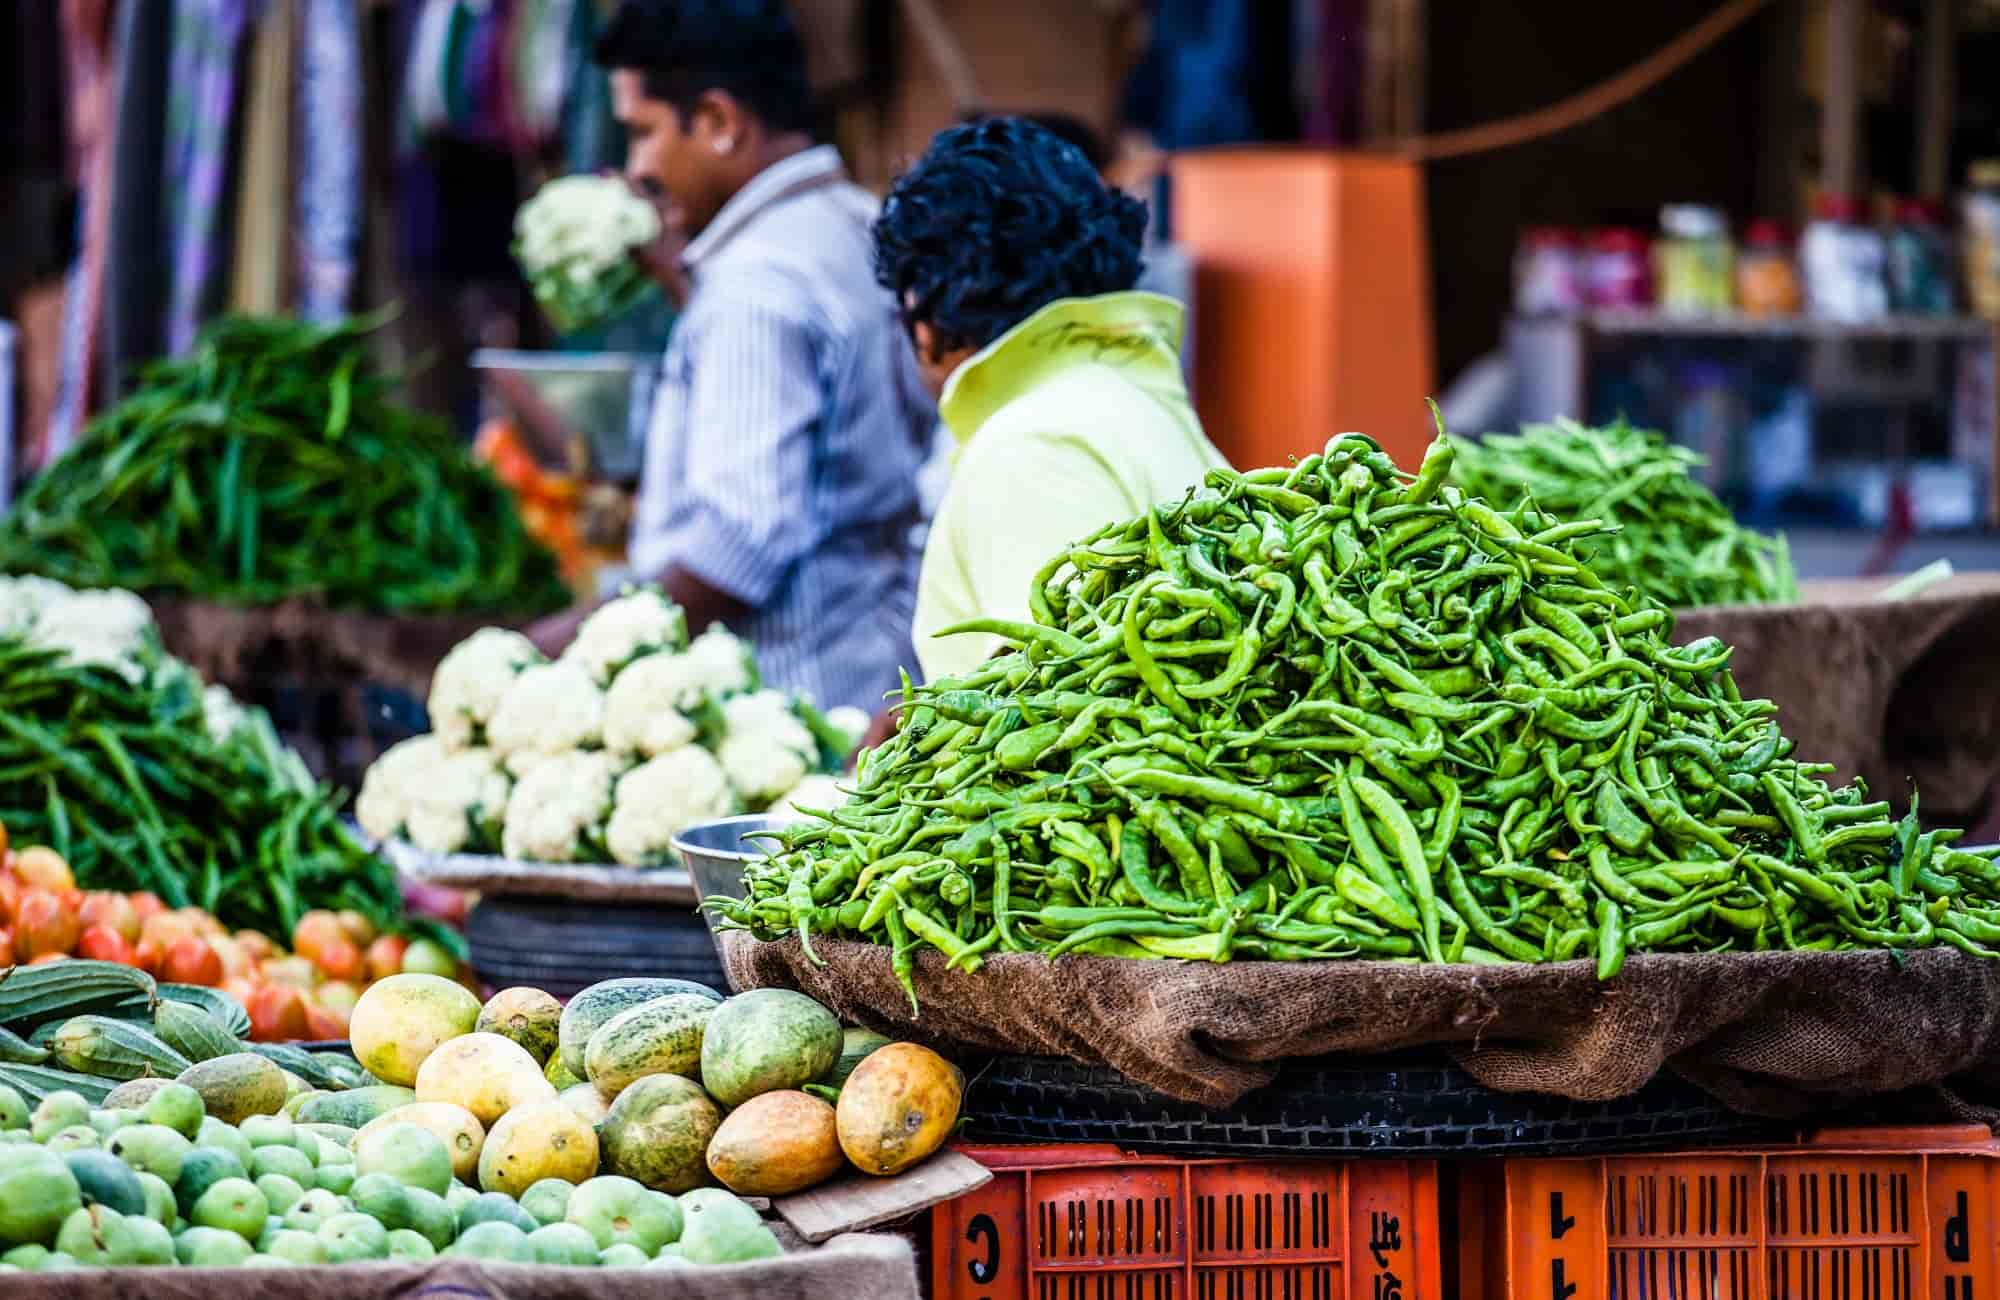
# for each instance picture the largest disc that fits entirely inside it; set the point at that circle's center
(1659, 324)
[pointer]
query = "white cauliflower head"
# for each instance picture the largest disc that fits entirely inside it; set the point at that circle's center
(549, 708)
(108, 628)
(392, 782)
(220, 713)
(469, 682)
(662, 797)
(641, 622)
(719, 663)
(819, 792)
(560, 803)
(583, 222)
(765, 749)
(641, 710)
(23, 599)
(850, 722)
(461, 802)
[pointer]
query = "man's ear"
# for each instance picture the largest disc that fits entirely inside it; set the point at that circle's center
(929, 346)
(718, 122)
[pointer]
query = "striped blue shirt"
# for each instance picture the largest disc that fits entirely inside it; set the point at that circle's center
(787, 429)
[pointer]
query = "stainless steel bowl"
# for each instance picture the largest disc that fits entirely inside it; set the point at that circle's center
(716, 853)
(604, 398)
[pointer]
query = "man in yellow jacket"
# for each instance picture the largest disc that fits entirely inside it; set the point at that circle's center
(1014, 264)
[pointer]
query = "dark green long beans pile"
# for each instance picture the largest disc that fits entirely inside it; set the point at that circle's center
(1675, 542)
(1337, 710)
(123, 779)
(272, 462)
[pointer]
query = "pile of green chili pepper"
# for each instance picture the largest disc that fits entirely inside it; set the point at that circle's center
(124, 780)
(270, 462)
(1337, 710)
(1674, 541)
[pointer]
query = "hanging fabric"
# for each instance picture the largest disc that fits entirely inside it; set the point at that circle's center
(208, 39)
(89, 45)
(327, 205)
(258, 282)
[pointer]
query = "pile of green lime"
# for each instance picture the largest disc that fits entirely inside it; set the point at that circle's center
(169, 1184)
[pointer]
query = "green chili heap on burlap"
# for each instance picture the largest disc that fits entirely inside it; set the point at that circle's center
(271, 462)
(1338, 710)
(1674, 542)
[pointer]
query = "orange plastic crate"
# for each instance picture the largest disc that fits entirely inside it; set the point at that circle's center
(1084, 1222)
(1854, 1214)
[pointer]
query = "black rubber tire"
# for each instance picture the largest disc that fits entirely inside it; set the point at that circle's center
(1401, 1106)
(564, 948)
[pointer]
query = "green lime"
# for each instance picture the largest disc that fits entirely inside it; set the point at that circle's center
(496, 1207)
(268, 1261)
(37, 1192)
(562, 1243)
(286, 1160)
(314, 1209)
(160, 1206)
(326, 1151)
(266, 1131)
(104, 1179)
(427, 1213)
(307, 1145)
(616, 1210)
(59, 1110)
(77, 1137)
(56, 1262)
(96, 1237)
(381, 1197)
(353, 1236)
(281, 1193)
(154, 1148)
(203, 1169)
(405, 1244)
(25, 1257)
(224, 1137)
(176, 1106)
(425, 957)
(622, 1255)
(548, 1200)
(458, 1196)
(415, 1156)
(235, 1205)
(335, 1178)
(13, 1109)
(296, 1246)
(210, 1248)
(497, 1241)
(151, 1242)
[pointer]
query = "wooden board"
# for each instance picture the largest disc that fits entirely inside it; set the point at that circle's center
(857, 1201)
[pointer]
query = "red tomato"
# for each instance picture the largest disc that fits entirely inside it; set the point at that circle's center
(43, 924)
(358, 927)
(48, 957)
(102, 943)
(256, 945)
(277, 1013)
(10, 895)
(315, 930)
(147, 904)
(40, 865)
(6, 947)
(385, 956)
(114, 911)
(191, 961)
(323, 1023)
(340, 960)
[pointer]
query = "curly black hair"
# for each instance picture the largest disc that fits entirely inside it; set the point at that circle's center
(998, 219)
(685, 48)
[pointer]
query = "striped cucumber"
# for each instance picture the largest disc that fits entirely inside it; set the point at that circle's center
(58, 990)
(114, 1049)
(225, 1010)
(345, 1071)
(302, 1063)
(16, 1050)
(35, 1082)
(192, 1032)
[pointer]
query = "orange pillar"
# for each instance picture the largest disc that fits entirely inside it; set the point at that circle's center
(1312, 284)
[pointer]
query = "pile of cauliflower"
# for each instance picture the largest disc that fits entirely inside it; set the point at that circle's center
(605, 754)
(574, 239)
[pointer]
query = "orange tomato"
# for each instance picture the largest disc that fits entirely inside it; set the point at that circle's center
(240, 989)
(277, 1013)
(234, 960)
(48, 957)
(3, 842)
(385, 956)
(324, 1023)
(44, 867)
(147, 903)
(256, 945)
(6, 947)
(340, 960)
(43, 924)
(10, 895)
(358, 927)
(315, 930)
(191, 960)
(202, 923)
(164, 929)
(113, 911)
(102, 943)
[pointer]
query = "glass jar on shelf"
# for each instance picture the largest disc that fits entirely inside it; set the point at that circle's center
(1919, 260)
(1767, 278)
(1691, 261)
(1616, 274)
(1844, 260)
(1981, 210)
(1548, 273)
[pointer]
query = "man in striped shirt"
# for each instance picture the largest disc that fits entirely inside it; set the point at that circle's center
(789, 422)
